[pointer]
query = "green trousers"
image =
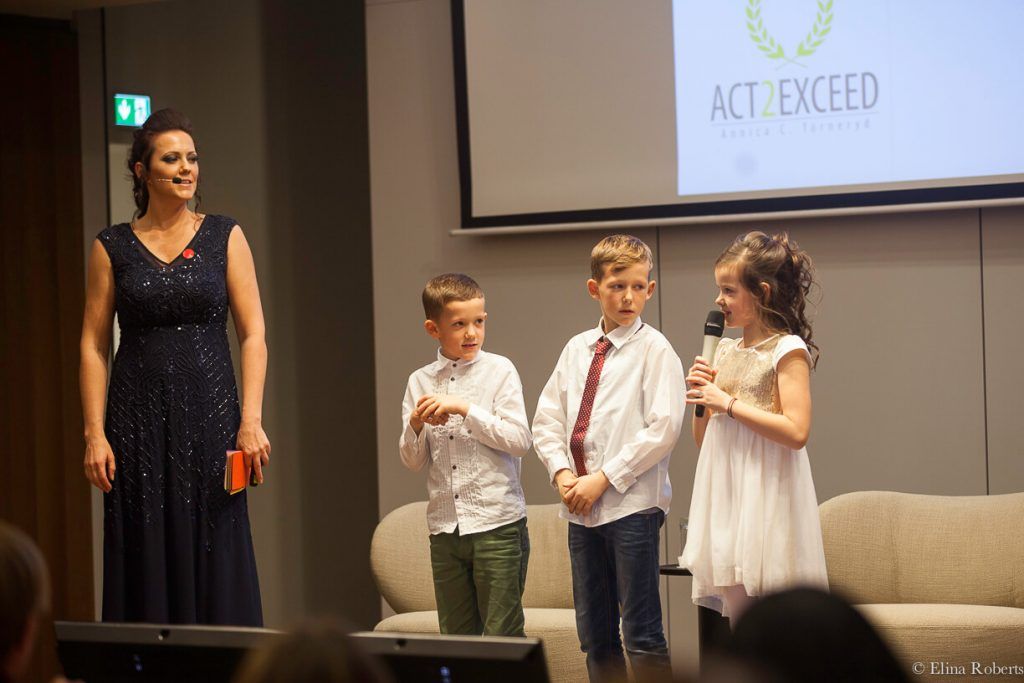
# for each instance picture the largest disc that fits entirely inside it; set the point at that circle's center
(479, 580)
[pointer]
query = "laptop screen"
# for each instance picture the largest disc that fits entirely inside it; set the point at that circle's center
(158, 653)
(430, 658)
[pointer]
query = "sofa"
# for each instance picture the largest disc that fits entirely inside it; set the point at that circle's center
(400, 561)
(940, 577)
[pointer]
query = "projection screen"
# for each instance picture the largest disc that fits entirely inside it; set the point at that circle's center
(573, 112)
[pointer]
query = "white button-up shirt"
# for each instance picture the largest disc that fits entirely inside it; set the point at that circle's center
(634, 424)
(473, 478)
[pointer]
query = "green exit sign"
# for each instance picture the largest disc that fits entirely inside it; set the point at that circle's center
(131, 110)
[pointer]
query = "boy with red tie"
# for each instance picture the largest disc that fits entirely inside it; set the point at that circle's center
(605, 426)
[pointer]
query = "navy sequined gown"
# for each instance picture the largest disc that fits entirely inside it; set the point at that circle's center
(176, 547)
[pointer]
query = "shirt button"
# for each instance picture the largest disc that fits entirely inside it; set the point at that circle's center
(454, 467)
(451, 437)
(456, 496)
(453, 379)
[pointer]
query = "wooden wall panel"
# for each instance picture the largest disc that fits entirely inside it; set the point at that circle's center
(42, 487)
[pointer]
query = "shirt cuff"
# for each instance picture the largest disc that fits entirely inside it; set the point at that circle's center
(477, 417)
(409, 435)
(619, 475)
(555, 469)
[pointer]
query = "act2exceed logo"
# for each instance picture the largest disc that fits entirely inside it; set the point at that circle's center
(764, 99)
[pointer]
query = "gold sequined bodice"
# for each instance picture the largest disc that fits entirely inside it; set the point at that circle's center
(749, 374)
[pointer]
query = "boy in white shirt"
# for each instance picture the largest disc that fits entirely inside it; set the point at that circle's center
(605, 426)
(464, 416)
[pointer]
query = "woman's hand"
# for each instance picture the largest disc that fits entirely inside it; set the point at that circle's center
(99, 464)
(253, 442)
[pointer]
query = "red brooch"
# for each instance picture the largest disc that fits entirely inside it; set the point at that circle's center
(188, 253)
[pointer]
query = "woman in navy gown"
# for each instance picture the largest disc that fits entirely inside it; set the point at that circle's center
(176, 547)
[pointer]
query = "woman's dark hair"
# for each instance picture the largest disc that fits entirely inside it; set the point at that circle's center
(789, 273)
(142, 151)
(24, 587)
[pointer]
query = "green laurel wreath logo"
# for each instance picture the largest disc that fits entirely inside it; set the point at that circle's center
(771, 48)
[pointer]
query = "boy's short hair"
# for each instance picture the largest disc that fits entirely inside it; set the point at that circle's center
(619, 251)
(448, 287)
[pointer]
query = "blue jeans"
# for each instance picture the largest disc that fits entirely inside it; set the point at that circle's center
(613, 565)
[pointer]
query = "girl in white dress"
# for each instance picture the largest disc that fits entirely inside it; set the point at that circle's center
(753, 526)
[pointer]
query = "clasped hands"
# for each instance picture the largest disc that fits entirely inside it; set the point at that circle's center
(701, 389)
(581, 493)
(434, 409)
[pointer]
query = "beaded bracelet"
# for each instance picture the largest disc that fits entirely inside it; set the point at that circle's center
(728, 411)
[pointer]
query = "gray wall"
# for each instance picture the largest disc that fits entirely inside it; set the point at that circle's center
(1002, 249)
(901, 390)
(276, 92)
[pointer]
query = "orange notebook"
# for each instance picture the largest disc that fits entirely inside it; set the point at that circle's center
(236, 473)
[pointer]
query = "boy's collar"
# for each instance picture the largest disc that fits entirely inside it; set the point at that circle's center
(619, 336)
(443, 361)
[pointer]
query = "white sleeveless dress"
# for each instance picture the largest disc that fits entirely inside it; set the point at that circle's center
(754, 514)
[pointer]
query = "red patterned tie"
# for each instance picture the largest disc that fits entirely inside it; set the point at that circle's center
(579, 432)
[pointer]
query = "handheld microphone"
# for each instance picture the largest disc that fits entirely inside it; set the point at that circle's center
(176, 180)
(713, 329)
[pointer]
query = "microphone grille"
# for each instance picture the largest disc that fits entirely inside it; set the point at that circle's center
(715, 324)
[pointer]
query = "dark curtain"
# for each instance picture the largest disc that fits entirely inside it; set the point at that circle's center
(42, 488)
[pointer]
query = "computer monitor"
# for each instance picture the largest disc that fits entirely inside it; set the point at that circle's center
(154, 653)
(431, 658)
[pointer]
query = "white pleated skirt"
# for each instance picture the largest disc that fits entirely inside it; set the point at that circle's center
(753, 517)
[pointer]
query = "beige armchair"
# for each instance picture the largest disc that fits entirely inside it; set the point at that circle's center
(940, 577)
(400, 560)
